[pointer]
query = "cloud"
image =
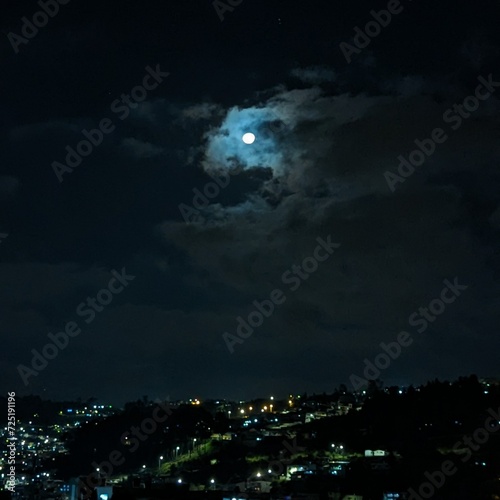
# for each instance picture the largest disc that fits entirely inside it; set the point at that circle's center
(314, 74)
(202, 111)
(24, 132)
(55, 283)
(140, 149)
(9, 186)
(326, 155)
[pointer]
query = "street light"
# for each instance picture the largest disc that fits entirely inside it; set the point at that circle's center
(159, 463)
(212, 481)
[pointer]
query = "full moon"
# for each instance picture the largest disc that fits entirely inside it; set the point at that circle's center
(248, 138)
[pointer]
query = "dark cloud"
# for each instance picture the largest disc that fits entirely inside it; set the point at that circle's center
(326, 132)
(9, 186)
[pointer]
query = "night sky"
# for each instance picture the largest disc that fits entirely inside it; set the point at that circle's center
(330, 124)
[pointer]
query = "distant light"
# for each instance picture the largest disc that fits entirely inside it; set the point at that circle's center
(248, 138)
(179, 480)
(212, 481)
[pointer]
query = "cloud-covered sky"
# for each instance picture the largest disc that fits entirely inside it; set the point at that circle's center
(326, 133)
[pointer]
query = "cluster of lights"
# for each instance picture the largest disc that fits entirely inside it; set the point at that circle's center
(248, 138)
